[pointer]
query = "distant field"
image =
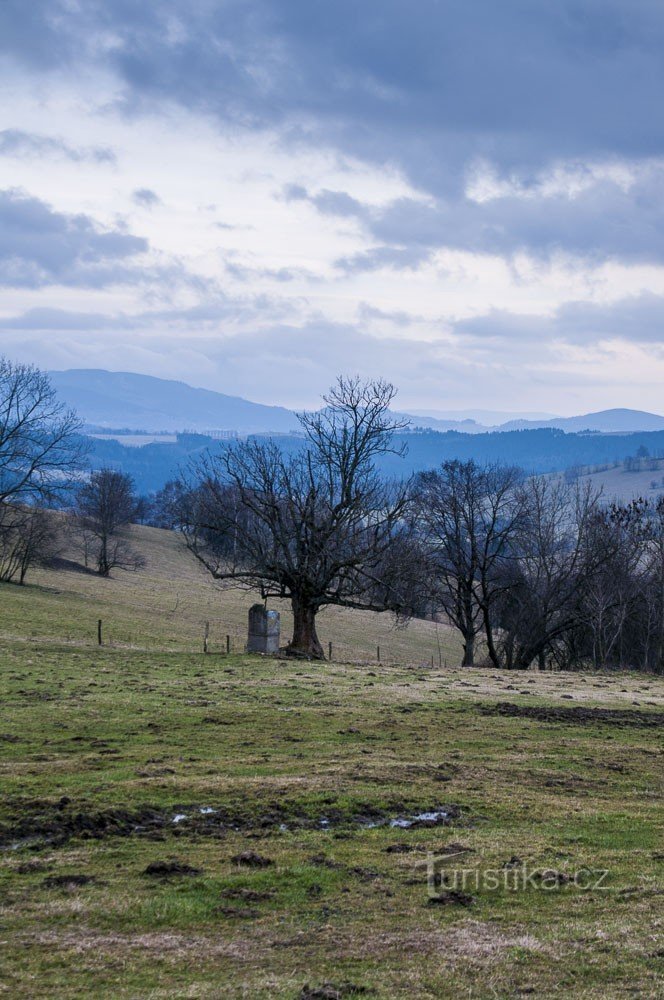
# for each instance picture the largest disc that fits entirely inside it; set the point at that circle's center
(621, 486)
(136, 440)
(165, 606)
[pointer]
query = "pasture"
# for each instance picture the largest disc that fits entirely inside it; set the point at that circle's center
(180, 825)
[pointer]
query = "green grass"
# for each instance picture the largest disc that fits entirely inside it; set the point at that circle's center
(94, 742)
(166, 605)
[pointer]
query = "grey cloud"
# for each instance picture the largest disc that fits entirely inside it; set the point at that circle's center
(146, 197)
(377, 258)
(16, 142)
(519, 82)
(298, 361)
(40, 246)
(338, 203)
(367, 313)
(638, 318)
(604, 220)
(45, 318)
(295, 192)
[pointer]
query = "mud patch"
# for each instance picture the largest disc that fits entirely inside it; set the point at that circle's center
(452, 898)
(250, 859)
(248, 895)
(169, 869)
(579, 715)
(330, 991)
(41, 823)
(67, 881)
(53, 824)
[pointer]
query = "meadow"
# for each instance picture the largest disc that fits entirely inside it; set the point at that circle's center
(175, 824)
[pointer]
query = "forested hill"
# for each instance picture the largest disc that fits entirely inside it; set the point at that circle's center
(542, 450)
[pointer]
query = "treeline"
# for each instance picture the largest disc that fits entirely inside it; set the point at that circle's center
(537, 570)
(542, 450)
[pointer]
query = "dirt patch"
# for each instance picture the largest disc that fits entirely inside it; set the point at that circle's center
(40, 823)
(579, 715)
(250, 859)
(168, 869)
(67, 881)
(237, 912)
(330, 991)
(55, 823)
(452, 898)
(248, 895)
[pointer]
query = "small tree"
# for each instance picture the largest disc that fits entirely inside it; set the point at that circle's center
(553, 559)
(105, 505)
(319, 526)
(29, 536)
(468, 514)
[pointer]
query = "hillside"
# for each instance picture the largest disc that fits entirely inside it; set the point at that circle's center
(141, 402)
(620, 486)
(537, 451)
(616, 421)
(165, 607)
(129, 401)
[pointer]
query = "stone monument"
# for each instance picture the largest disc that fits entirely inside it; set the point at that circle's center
(264, 630)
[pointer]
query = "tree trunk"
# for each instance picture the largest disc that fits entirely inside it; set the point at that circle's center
(305, 641)
(488, 631)
(468, 651)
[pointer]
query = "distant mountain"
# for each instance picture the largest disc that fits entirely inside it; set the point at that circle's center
(483, 418)
(125, 400)
(435, 424)
(141, 402)
(619, 421)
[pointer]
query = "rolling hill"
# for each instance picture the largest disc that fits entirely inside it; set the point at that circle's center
(142, 402)
(130, 401)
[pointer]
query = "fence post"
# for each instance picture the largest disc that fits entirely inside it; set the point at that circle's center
(99, 637)
(228, 643)
(206, 637)
(378, 653)
(329, 650)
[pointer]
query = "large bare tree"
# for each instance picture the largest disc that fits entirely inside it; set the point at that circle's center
(319, 526)
(41, 448)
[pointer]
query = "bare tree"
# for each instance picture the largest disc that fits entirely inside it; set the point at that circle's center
(318, 526)
(29, 536)
(41, 448)
(105, 506)
(468, 514)
(552, 561)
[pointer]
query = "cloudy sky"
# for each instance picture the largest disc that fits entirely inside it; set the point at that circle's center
(464, 196)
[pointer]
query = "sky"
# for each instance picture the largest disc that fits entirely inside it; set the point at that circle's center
(462, 196)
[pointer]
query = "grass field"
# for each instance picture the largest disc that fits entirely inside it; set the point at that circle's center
(280, 794)
(620, 486)
(165, 607)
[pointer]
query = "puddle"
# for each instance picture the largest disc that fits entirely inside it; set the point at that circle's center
(435, 817)
(202, 811)
(54, 824)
